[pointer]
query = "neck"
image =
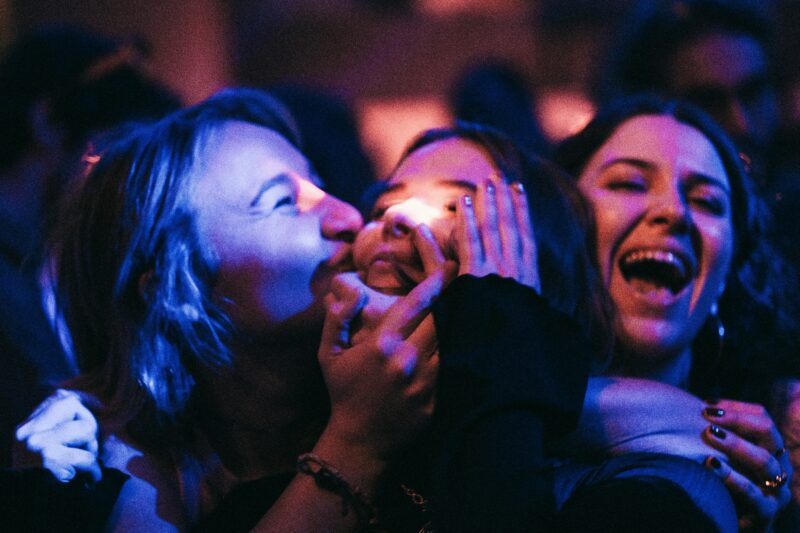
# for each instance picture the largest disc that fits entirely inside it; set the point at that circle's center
(672, 370)
(265, 409)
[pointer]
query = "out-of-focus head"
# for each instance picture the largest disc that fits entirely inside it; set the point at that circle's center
(674, 213)
(207, 223)
(495, 92)
(713, 53)
(441, 166)
(60, 85)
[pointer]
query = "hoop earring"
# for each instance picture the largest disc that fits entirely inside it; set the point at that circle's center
(720, 327)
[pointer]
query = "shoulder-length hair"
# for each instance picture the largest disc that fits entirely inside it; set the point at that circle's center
(759, 282)
(562, 223)
(134, 280)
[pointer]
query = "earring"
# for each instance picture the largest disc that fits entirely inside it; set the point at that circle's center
(714, 312)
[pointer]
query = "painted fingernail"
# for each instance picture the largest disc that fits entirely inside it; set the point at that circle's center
(518, 187)
(714, 411)
(467, 200)
(490, 187)
(717, 432)
(713, 462)
(780, 452)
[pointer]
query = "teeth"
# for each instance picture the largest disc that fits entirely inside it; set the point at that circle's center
(662, 256)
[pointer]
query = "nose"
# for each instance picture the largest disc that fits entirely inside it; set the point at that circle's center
(340, 220)
(670, 210)
(397, 223)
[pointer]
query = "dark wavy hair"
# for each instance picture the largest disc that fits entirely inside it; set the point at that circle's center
(562, 223)
(134, 280)
(760, 287)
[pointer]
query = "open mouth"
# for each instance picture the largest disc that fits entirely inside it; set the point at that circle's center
(649, 271)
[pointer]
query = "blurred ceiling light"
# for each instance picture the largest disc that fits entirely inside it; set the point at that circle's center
(388, 125)
(455, 7)
(563, 112)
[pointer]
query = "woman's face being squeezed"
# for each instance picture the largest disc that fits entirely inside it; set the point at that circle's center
(278, 238)
(424, 189)
(662, 203)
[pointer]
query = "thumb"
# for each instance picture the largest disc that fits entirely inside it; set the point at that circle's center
(344, 303)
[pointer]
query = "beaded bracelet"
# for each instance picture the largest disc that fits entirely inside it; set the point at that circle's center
(329, 478)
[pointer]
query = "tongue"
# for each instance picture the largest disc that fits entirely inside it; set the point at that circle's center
(650, 287)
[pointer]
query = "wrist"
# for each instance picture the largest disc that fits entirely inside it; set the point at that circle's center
(357, 461)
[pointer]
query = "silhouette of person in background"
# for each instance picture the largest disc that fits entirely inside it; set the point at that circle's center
(59, 87)
(497, 94)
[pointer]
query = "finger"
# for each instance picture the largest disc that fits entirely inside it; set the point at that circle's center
(486, 213)
(64, 462)
(62, 407)
(510, 265)
(423, 386)
(345, 304)
(527, 237)
(469, 249)
(429, 251)
(744, 492)
(407, 313)
(747, 420)
(747, 457)
(76, 434)
(423, 338)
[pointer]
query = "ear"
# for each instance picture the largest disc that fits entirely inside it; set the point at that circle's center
(46, 133)
(144, 285)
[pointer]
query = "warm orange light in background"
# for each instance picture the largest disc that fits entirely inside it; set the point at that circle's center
(563, 112)
(388, 125)
(453, 7)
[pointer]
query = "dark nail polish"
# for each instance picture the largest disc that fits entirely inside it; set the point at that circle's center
(717, 432)
(713, 462)
(714, 411)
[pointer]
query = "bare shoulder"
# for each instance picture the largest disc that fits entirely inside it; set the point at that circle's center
(150, 500)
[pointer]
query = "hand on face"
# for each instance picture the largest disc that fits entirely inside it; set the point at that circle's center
(61, 436)
(494, 235)
(758, 472)
(381, 389)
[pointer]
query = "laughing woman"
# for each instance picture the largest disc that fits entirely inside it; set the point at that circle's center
(678, 245)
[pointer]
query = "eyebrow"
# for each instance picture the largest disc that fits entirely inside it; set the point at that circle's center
(639, 163)
(694, 178)
(280, 179)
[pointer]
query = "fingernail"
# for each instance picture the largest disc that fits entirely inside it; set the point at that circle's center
(518, 187)
(467, 199)
(490, 187)
(713, 462)
(714, 411)
(717, 432)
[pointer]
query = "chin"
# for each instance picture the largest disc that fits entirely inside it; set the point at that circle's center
(652, 342)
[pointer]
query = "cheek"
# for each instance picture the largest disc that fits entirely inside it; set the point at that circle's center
(443, 230)
(718, 249)
(367, 241)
